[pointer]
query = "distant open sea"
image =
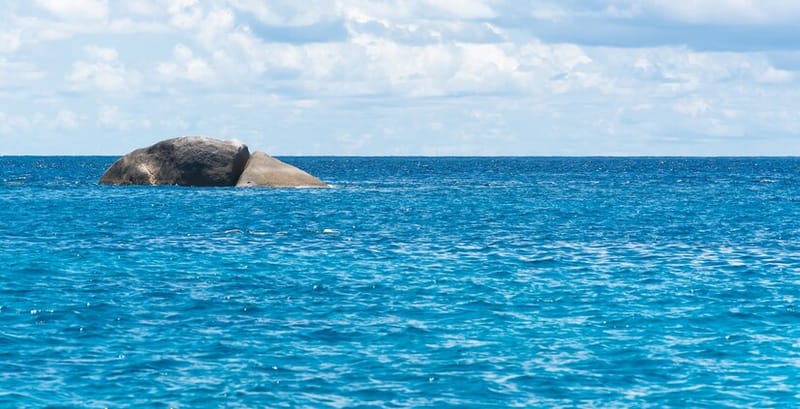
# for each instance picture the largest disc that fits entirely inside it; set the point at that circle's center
(414, 282)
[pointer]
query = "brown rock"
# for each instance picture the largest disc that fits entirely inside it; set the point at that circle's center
(184, 161)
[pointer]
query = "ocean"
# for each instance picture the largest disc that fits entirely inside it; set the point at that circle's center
(413, 282)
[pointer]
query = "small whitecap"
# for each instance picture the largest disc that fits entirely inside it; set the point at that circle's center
(735, 262)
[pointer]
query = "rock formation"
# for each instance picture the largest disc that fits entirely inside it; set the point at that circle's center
(264, 170)
(204, 161)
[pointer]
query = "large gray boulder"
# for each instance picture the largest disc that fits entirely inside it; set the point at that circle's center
(184, 161)
(204, 161)
(264, 170)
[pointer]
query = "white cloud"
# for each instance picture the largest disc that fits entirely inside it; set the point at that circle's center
(216, 23)
(103, 72)
(441, 76)
(102, 54)
(185, 66)
(130, 26)
(14, 73)
(109, 117)
(404, 10)
(179, 124)
(774, 76)
(372, 64)
(262, 11)
(65, 119)
(19, 31)
(289, 13)
(112, 117)
(76, 9)
(185, 14)
(14, 124)
(463, 8)
(550, 11)
(363, 11)
(351, 144)
(10, 40)
(691, 107)
(142, 7)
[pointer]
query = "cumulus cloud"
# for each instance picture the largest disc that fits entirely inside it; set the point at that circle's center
(402, 10)
(103, 72)
(53, 21)
(76, 9)
(407, 76)
(185, 66)
(15, 73)
(185, 14)
(370, 63)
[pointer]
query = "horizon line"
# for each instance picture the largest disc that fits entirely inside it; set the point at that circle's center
(425, 156)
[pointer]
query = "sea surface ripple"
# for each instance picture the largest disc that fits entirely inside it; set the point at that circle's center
(414, 282)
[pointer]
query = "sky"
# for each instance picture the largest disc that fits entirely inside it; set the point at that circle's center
(403, 77)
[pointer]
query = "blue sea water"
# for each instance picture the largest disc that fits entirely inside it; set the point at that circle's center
(414, 282)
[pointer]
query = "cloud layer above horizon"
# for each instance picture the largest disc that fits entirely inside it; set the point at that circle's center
(403, 77)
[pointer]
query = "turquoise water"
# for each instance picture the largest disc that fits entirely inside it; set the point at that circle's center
(415, 282)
